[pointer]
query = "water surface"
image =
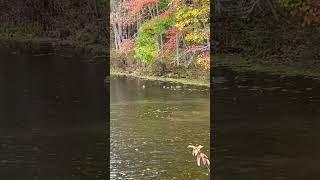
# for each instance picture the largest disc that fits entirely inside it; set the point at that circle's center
(266, 127)
(152, 123)
(53, 118)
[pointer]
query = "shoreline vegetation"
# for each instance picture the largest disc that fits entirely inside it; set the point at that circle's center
(15, 38)
(161, 40)
(184, 81)
(47, 45)
(238, 63)
(235, 62)
(63, 27)
(276, 37)
(155, 41)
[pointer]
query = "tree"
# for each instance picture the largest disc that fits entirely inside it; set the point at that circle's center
(308, 10)
(175, 30)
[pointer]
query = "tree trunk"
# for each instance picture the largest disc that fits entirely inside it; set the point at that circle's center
(177, 50)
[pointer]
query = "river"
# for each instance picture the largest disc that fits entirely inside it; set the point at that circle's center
(53, 124)
(266, 127)
(53, 118)
(152, 123)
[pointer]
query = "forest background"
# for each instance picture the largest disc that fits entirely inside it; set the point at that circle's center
(169, 38)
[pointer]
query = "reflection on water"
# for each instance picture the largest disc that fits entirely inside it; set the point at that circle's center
(267, 128)
(52, 118)
(151, 127)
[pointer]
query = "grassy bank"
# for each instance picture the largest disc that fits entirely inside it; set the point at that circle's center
(119, 72)
(41, 45)
(34, 40)
(242, 64)
(263, 43)
(162, 70)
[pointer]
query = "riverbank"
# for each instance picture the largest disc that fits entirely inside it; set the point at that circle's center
(203, 83)
(281, 46)
(45, 45)
(240, 63)
(67, 28)
(127, 65)
(33, 39)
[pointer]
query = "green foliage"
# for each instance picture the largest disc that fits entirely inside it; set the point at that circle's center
(26, 31)
(147, 45)
(308, 10)
(163, 5)
(290, 3)
(173, 30)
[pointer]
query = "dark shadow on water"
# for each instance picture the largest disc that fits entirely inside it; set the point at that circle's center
(266, 127)
(53, 118)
